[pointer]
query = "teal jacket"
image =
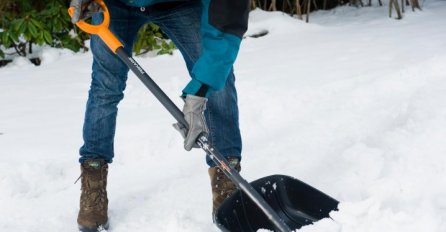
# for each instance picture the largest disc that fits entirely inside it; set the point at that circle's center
(223, 23)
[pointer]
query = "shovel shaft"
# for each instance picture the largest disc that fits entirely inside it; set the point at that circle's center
(152, 86)
(218, 158)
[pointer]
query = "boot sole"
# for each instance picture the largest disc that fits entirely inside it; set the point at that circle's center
(96, 229)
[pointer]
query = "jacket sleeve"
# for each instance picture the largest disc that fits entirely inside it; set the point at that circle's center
(223, 23)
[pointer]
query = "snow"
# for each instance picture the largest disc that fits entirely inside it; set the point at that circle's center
(352, 104)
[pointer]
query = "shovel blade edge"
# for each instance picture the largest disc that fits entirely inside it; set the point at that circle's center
(297, 204)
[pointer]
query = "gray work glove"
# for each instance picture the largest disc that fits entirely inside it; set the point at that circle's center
(83, 9)
(193, 111)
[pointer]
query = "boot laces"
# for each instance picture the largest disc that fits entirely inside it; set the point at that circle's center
(94, 188)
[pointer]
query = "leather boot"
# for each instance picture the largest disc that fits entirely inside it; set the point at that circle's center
(222, 186)
(93, 215)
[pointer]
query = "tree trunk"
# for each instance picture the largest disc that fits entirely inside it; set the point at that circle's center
(397, 8)
(298, 9)
(253, 4)
(308, 10)
(287, 6)
(315, 5)
(30, 48)
(273, 5)
(415, 4)
(394, 3)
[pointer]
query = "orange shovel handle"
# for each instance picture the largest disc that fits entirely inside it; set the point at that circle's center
(102, 29)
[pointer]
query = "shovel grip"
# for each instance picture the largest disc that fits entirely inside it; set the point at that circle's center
(102, 29)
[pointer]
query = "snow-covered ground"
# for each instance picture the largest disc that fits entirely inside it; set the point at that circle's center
(353, 103)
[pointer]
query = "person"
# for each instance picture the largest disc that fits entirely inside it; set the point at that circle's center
(208, 34)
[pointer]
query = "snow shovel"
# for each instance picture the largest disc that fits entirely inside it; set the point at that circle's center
(278, 203)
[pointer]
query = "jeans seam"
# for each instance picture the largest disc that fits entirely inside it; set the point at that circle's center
(211, 127)
(174, 38)
(171, 12)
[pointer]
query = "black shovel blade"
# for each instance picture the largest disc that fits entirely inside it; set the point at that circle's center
(296, 203)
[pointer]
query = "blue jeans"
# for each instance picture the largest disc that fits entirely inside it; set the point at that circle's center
(181, 22)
